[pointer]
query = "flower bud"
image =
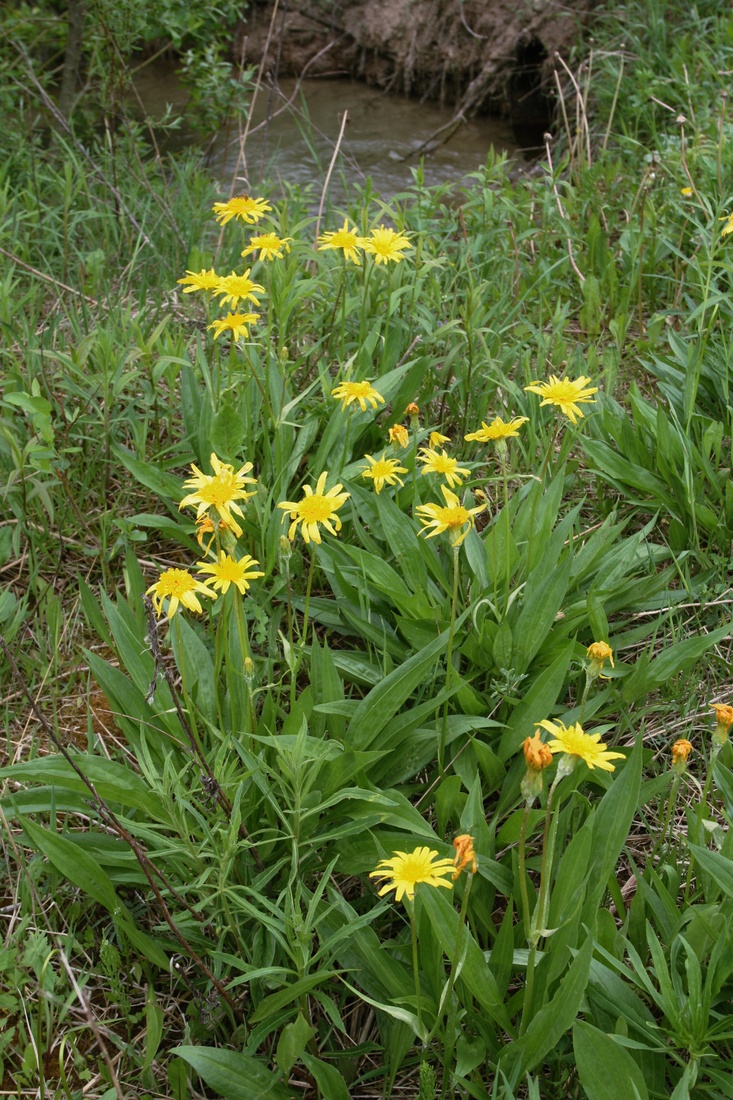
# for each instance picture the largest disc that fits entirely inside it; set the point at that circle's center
(723, 722)
(680, 752)
(284, 551)
(465, 854)
(598, 653)
(249, 669)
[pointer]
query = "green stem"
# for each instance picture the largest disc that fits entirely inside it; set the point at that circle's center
(449, 660)
(448, 1046)
(415, 967)
(671, 803)
(507, 535)
(244, 646)
(540, 919)
(309, 584)
(527, 916)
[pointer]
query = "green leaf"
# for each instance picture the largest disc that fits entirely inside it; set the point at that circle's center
(402, 538)
(552, 1021)
(541, 605)
(330, 1082)
(293, 1040)
(153, 1029)
(73, 863)
(383, 701)
(228, 430)
(475, 973)
(718, 866)
(670, 661)
(537, 702)
(603, 1065)
(233, 1075)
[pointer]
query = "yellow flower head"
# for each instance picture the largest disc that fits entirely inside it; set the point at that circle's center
(443, 464)
(536, 753)
(406, 869)
(574, 742)
(436, 438)
(241, 206)
(412, 410)
(315, 508)
(565, 394)
(220, 490)
(723, 722)
(348, 240)
(180, 588)
(227, 570)
(383, 471)
(238, 288)
(200, 280)
(686, 192)
(465, 854)
(269, 246)
(598, 653)
(680, 753)
(348, 392)
(237, 324)
(386, 245)
(497, 429)
(453, 518)
(399, 435)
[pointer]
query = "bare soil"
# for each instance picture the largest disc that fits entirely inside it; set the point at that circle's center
(490, 56)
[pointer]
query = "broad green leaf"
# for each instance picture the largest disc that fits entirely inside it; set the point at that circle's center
(476, 975)
(534, 622)
(153, 1027)
(330, 1082)
(196, 667)
(537, 703)
(402, 537)
(718, 866)
(113, 782)
(673, 659)
(382, 703)
(227, 433)
(550, 1023)
(603, 1065)
(233, 1075)
(293, 1040)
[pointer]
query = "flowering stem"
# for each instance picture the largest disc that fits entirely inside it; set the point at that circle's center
(369, 267)
(261, 388)
(449, 659)
(671, 803)
(507, 534)
(523, 874)
(448, 1046)
(584, 700)
(309, 584)
(244, 646)
(540, 918)
(415, 967)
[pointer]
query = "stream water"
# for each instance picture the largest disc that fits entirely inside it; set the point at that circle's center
(294, 129)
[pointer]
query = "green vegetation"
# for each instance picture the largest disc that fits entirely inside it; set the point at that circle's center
(209, 816)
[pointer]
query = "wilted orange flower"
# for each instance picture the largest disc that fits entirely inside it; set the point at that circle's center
(465, 854)
(399, 434)
(724, 720)
(680, 752)
(412, 409)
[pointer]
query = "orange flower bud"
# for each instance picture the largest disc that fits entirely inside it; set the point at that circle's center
(680, 752)
(465, 854)
(536, 753)
(724, 720)
(413, 409)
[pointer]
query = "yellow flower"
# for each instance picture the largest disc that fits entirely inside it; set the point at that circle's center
(686, 192)
(383, 471)
(497, 429)
(412, 410)
(180, 587)
(680, 752)
(443, 464)
(536, 753)
(348, 240)
(315, 507)
(436, 439)
(728, 227)
(399, 435)
(453, 518)
(405, 869)
(200, 280)
(385, 245)
(238, 288)
(228, 570)
(235, 323)
(220, 491)
(565, 394)
(269, 246)
(241, 206)
(347, 392)
(465, 854)
(573, 741)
